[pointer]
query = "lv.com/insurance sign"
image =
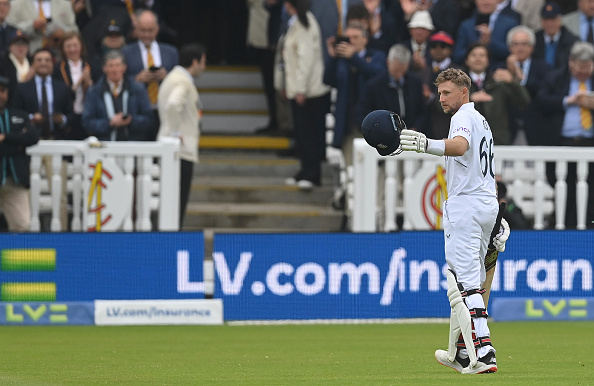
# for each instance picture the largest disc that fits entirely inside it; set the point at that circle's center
(397, 275)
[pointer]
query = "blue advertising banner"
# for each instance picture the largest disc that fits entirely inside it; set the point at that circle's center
(47, 313)
(87, 266)
(395, 275)
(513, 309)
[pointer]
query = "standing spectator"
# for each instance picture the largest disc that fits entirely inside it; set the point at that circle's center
(529, 72)
(487, 28)
(420, 28)
(16, 134)
(180, 110)
(117, 107)
(493, 92)
(16, 66)
(382, 26)
(43, 21)
(75, 71)
(567, 105)
(7, 31)
(113, 39)
(299, 70)
(397, 90)
(350, 65)
(581, 22)
(444, 13)
(149, 61)
(553, 41)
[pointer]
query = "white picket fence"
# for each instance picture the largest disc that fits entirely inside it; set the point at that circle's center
(379, 187)
(156, 184)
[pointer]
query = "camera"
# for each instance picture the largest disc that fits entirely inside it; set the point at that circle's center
(340, 39)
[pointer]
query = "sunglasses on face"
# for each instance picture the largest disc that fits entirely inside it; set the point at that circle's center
(439, 45)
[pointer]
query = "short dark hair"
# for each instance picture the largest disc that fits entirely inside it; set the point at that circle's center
(189, 52)
(42, 50)
(357, 12)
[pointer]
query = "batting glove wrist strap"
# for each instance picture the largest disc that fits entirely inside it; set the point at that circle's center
(435, 147)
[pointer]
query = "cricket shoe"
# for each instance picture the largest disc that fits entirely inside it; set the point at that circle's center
(458, 364)
(484, 365)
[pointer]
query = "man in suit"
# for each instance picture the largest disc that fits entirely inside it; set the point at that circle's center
(43, 21)
(529, 72)
(487, 28)
(16, 134)
(349, 66)
(180, 110)
(7, 31)
(149, 61)
(528, 10)
(117, 107)
(553, 40)
(581, 22)
(420, 28)
(396, 90)
(567, 104)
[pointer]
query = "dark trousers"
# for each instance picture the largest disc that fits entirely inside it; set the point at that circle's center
(265, 59)
(186, 172)
(309, 121)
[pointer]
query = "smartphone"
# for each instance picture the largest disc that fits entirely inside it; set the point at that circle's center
(125, 116)
(154, 68)
(482, 18)
(48, 19)
(339, 39)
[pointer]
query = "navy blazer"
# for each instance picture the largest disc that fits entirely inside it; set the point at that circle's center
(25, 98)
(378, 94)
(498, 51)
(11, 32)
(566, 41)
(446, 16)
(169, 58)
(96, 121)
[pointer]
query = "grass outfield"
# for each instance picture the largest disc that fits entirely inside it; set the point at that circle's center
(544, 353)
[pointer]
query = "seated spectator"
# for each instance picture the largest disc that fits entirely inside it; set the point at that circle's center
(396, 90)
(420, 28)
(15, 137)
(75, 71)
(553, 40)
(117, 108)
(488, 29)
(16, 66)
(529, 72)
(493, 92)
(349, 66)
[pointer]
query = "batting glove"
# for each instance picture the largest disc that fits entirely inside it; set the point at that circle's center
(411, 140)
(502, 236)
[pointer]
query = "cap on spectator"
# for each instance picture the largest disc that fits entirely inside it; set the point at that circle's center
(421, 19)
(442, 37)
(4, 81)
(550, 11)
(114, 29)
(20, 37)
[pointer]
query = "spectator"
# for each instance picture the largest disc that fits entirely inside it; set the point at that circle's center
(106, 115)
(581, 22)
(16, 134)
(298, 76)
(396, 90)
(105, 14)
(149, 61)
(43, 21)
(113, 39)
(513, 214)
(16, 66)
(527, 10)
(437, 123)
(505, 8)
(529, 72)
(493, 92)
(82, 13)
(180, 110)
(420, 28)
(381, 26)
(567, 105)
(7, 31)
(486, 28)
(75, 71)
(553, 41)
(444, 13)
(350, 65)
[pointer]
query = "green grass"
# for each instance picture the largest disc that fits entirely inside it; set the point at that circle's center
(544, 353)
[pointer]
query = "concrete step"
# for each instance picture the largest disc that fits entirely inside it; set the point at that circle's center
(233, 100)
(232, 77)
(228, 123)
(279, 216)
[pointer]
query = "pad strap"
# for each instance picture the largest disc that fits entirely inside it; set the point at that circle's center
(478, 313)
(467, 293)
(479, 342)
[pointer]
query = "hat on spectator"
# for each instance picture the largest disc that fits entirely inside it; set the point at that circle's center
(442, 37)
(114, 29)
(20, 37)
(550, 11)
(4, 81)
(421, 19)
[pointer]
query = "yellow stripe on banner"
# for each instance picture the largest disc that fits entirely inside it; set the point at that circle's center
(34, 259)
(28, 292)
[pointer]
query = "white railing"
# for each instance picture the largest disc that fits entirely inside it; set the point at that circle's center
(378, 194)
(120, 164)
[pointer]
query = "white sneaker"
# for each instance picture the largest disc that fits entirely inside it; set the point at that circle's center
(305, 185)
(484, 365)
(442, 357)
(291, 181)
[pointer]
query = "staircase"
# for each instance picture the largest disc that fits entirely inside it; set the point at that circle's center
(238, 185)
